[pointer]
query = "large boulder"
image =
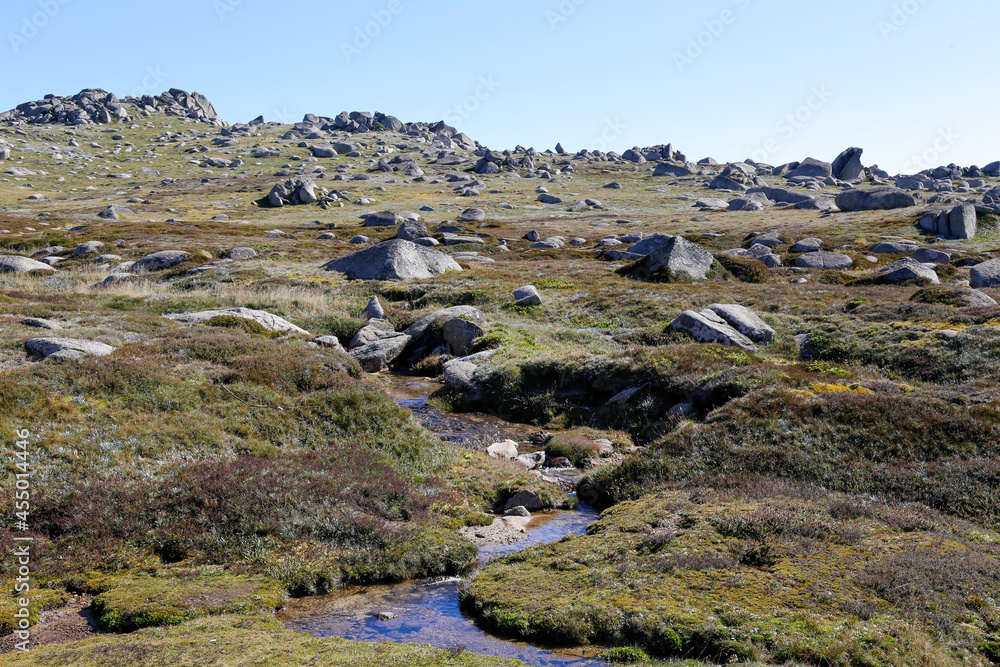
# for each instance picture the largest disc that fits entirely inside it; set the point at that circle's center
(668, 169)
(65, 348)
(679, 257)
(411, 230)
(958, 223)
(708, 327)
(874, 199)
(460, 335)
(17, 264)
(847, 166)
(396, 259)
(267, 320)
(380, 219)
(986, 274)
(908, 269)
(649, 244)
(421, 326)
(375, 357)
(472, 215)
(375, 330)
(159, 261)
(811, 168)
(824, 260)
(744, 320)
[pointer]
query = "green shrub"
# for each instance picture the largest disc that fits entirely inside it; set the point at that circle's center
(940, 295)
(745, 269)
(625, 654)
(241, 323)
(573, 446)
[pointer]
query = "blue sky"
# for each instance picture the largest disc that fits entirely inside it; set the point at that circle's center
(913, 82)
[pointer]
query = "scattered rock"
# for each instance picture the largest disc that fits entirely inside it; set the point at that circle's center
(241, 253)
(503, 450)
(374, 310)
(65, 348)
(116, 212)
(526, 499)
(158, 261)
(527, 296)
(40, 323)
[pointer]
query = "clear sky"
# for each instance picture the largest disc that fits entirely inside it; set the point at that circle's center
(913, 82)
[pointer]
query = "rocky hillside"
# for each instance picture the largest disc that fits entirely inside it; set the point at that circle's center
(99, 107)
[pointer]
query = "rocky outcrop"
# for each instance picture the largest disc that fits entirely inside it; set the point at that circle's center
(96, 106)
(957, 223)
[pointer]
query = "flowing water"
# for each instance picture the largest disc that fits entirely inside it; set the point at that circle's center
(428, 611)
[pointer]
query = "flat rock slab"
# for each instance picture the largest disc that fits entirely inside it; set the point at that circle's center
(744, 320)
(65, 348)
(908, 269)
(707, 327)
(267, 320)
(824, 260)
(16, 264)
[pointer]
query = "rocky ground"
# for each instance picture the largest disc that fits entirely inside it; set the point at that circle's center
(182, 299)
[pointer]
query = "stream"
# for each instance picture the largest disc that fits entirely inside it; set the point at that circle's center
(427, 611)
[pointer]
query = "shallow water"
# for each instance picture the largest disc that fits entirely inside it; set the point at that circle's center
(427, 611)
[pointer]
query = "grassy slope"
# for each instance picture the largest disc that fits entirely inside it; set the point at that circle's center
(597, 333)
